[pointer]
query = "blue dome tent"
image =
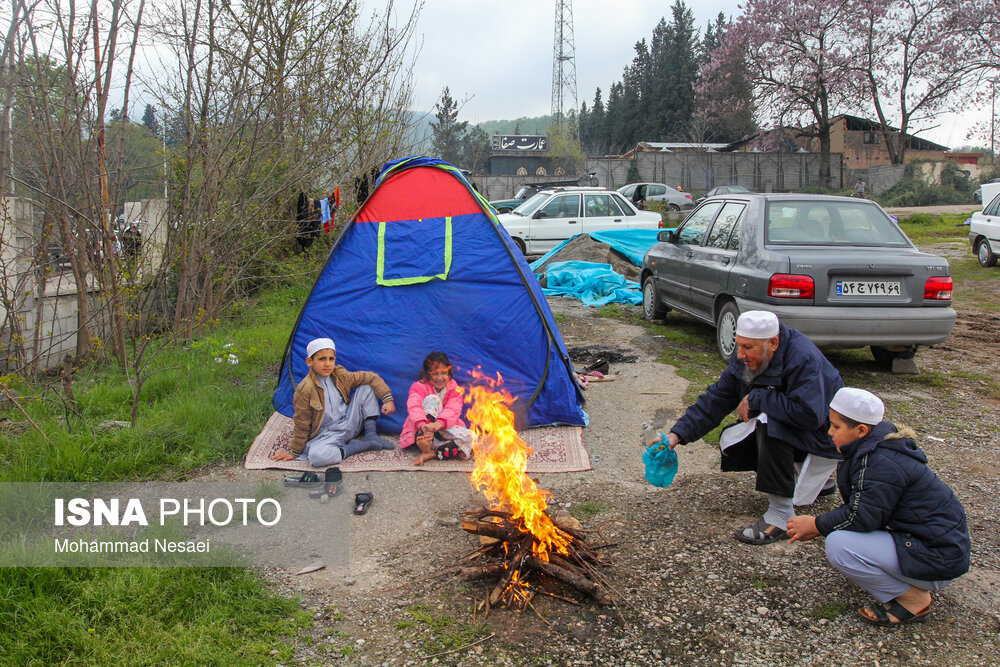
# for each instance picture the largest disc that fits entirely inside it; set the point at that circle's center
(424, 265)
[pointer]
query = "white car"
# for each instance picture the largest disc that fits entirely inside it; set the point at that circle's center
(556, 214)
(984, 233)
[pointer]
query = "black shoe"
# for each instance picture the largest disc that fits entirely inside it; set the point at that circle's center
(828, 489)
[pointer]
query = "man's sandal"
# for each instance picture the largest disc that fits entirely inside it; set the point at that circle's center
(758, 533)
(903, 615)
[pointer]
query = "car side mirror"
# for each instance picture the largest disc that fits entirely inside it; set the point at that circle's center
(540, 214)
(667, 236)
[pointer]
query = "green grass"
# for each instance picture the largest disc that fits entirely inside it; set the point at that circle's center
(143, 616)
(829, 610)
(443, 632)
(586, 510)
(924, 228)
(975, 286)
(194, 411)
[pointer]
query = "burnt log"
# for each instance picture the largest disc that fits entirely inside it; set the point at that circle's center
(580, 583)
(483, 572)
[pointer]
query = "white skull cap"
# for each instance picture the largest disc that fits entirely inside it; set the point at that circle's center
(318, 344)
(859, 405)
(757, 324)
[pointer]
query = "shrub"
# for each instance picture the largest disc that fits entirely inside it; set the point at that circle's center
(912, 190)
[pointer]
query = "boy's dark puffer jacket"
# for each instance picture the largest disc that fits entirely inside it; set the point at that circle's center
(886, 485)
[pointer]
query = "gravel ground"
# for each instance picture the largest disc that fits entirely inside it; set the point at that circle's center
(687, 593)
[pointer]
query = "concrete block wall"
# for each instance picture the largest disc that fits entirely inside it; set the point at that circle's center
(695, 172)
(56, 309)
(151, 214)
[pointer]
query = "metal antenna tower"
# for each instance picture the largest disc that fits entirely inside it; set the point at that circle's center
(563, 62)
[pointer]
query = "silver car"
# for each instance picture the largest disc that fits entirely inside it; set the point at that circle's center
(638, 193)
(838, 269)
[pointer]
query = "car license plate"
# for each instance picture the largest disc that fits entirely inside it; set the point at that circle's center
(868, 288)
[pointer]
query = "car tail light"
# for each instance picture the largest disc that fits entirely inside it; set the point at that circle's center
(938, 288)
(660, 224)
(688, 195)
(787, 286)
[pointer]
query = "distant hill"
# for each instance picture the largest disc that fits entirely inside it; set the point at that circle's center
(420, 134)
(523, 125)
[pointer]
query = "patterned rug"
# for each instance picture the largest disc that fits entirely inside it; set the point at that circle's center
(557, 449)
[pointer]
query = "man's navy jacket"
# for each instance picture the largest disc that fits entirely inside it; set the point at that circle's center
(795, 392)
(886, 485)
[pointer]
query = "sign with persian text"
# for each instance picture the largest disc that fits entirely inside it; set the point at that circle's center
(520, 142)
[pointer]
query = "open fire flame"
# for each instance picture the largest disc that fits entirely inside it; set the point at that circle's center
(501, 461)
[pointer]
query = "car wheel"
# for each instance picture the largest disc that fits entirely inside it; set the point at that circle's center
(504, 209)
(673, 207)
(725, 330)
(652, 309)
(520, 245)
(985, 255)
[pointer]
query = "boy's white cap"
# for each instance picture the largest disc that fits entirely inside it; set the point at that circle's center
(318, 344)
(757, 324)
(859, 405)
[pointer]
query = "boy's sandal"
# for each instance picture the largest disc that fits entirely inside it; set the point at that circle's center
(757, 533)
(306, 480)
(903, 615)
(361, 502)
(331, 484)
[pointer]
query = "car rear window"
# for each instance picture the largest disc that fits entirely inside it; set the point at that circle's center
(830, 223)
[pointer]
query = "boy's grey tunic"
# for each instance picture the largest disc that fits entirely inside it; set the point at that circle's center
(342, 422)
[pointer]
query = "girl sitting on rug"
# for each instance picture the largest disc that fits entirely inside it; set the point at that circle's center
(434, 410)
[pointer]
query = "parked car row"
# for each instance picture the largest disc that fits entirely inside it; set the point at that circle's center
(836, 268)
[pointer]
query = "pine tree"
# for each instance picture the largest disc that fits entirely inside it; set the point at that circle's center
(149, 120)
(448, 132)
(675, 104)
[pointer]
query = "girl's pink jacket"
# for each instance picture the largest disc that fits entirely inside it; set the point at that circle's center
(451, 411)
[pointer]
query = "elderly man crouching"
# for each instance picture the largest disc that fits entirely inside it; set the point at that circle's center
(780, 373)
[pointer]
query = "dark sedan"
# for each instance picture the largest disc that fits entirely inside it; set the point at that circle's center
(838, 269)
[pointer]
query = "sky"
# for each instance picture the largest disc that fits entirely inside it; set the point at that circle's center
(495, 56)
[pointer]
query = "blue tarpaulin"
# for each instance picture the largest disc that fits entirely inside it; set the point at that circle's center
(594, 284)
(632, 243)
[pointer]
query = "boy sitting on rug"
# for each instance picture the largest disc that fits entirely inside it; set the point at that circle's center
(328, 418)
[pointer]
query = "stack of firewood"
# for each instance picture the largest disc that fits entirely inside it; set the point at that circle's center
(511, 555)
